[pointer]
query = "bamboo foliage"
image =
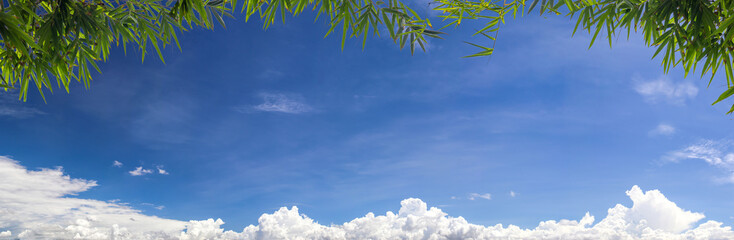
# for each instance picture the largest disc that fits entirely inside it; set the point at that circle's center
(46, 41)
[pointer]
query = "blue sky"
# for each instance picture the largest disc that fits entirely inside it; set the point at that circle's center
(245, 121)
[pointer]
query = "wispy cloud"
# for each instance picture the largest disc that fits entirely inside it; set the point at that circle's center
(513, 194)
(157, 207)
(17, 111)
(665, 90)
(278, 102)
(662, 129)
(475, 196)
(719, 154)
(11, 107)
(117, 163)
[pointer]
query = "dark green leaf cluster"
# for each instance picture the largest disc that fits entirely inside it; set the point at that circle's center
(58, 40)
(47, 40)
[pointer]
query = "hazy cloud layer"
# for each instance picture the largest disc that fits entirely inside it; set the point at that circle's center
(276, 102)
(665, 90)
(474, 196)
(164, 122)
(719, 154)
(19, 111)
(11, 106)
(37, 205)
(662, 129)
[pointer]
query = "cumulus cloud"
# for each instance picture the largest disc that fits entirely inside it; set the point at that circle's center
(513, 194)
(662, 129)
(140, 171)
(474, 196)
(665, 90)
(653, 209)
(652, 216)
(39, 205)
(117, 163)
(273, 102)
(719, 154)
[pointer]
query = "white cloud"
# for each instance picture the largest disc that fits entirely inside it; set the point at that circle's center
(162, 171)
(6, 234)
(662, 129)
(513, 194)
(654, 210)
(38, 205)
(139, 171)
(719, 154)
(652, 216)
(282, 103)
(474, 196)
(117, 163)
(665, 90)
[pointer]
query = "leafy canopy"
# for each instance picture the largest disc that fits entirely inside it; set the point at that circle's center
(58, 40)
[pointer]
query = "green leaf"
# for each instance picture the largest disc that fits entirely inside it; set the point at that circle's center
(724, 95)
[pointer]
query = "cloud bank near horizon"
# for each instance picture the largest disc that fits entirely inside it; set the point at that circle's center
(40, 205)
